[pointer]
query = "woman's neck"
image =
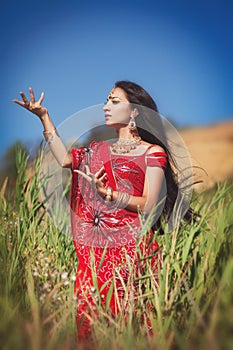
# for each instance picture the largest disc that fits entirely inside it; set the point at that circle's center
(124, 133)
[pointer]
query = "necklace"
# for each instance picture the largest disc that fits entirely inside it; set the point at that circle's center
(125, 145)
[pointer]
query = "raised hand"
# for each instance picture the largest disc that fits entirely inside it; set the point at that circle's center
(97, 180)
(32, 105)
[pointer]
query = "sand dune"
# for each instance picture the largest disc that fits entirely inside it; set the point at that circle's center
(211, 148)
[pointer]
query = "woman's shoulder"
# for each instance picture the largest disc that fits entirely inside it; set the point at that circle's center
(156, 156)
(153, 148)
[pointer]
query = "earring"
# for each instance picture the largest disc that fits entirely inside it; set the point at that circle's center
(132, 124)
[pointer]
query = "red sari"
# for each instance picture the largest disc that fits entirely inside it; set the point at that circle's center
(105, 236)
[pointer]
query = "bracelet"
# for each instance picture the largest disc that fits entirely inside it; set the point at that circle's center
(108, 195)
(123, 199)
(50, 135)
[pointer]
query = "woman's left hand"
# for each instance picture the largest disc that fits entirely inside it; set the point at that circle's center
(97, 180)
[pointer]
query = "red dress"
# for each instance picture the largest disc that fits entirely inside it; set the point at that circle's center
(105, 236)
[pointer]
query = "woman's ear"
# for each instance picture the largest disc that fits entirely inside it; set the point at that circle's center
(135, 112)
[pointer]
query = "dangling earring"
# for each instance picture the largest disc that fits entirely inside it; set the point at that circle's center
(132, 124)
(133, 130)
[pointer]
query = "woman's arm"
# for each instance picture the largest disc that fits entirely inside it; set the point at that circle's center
(56, 145)
(153, 181)
(154, 177)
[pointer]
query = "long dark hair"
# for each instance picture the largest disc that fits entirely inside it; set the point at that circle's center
(150, 129)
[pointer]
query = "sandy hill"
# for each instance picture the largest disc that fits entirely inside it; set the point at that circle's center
(211, 148)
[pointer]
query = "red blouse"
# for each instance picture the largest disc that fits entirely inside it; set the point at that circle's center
(103, 234)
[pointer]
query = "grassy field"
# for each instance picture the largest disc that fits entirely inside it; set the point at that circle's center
(192, 305)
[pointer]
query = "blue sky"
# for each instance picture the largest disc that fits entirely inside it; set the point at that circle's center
(180, 51)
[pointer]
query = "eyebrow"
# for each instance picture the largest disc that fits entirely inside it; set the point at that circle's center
(111, 97)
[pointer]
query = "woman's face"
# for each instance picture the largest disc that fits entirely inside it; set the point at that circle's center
(117, 109)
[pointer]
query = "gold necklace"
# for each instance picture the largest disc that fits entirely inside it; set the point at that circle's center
(125, 145)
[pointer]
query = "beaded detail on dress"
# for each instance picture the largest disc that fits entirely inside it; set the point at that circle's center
(106, 237)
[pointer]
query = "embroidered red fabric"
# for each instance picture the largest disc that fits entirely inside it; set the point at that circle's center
(104, 236)
(157, 159)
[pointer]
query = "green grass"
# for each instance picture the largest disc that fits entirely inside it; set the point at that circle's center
(191, 307)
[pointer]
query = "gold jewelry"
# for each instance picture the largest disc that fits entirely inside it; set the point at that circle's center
(132, 124)
(108, 195)
(50, 135)
(123, 199)
(125, 145)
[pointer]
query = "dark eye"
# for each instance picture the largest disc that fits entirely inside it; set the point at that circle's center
(115, 101)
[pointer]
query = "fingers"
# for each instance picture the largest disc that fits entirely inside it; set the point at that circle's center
(100, 172)
(92, 176)
(19, 103)
(32, 96)
(41, 98)
(88, 172)
(87, 177)
(26, 103)
(25, 100)
(103, 178)
(97, 178)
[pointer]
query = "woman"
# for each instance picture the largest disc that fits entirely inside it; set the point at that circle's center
(111, 184)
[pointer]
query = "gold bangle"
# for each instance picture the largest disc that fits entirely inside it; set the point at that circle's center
(49, 135)
(108, 195)
(123, 199)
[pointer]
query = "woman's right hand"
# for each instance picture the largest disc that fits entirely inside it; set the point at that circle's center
(31, 105)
